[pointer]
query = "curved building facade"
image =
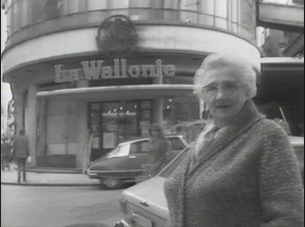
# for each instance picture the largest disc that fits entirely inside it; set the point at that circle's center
(88, 74)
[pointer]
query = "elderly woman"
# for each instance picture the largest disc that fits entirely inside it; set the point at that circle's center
(241, 170)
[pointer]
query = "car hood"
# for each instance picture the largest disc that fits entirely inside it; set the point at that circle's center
(149, 192)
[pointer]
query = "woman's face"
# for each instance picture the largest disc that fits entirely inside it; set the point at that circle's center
(223, 94)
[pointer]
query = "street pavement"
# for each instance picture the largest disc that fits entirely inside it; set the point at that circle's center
(47, 177)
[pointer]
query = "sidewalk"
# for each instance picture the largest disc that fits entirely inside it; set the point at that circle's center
(48, 177)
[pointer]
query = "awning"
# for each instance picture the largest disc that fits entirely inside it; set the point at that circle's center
(128, 92)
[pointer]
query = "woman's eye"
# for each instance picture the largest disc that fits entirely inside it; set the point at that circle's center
(212, 88)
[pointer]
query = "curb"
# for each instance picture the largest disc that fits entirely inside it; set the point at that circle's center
(54, 171)
(49, 185)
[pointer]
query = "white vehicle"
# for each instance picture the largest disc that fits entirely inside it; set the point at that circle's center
(144, 205)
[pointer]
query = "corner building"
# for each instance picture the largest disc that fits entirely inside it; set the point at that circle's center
(73, 96)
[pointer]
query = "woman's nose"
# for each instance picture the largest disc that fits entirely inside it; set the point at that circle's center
(220, 94)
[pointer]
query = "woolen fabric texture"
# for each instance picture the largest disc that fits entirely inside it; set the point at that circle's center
(248, 177)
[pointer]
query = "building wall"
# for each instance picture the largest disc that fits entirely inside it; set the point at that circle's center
(45, 33)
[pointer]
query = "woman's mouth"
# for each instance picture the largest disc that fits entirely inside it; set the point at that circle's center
(223, 106)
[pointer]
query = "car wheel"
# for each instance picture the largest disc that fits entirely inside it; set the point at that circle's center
(111, 183)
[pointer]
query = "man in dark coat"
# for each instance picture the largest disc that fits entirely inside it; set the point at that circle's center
(21, 152)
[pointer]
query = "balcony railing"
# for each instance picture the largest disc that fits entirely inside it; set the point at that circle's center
(28, 19)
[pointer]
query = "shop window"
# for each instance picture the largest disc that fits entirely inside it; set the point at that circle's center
(145, 109)
(130, 119)
(114, 122)
(177, 110)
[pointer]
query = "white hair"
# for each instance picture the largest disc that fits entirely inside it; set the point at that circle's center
(246, 71)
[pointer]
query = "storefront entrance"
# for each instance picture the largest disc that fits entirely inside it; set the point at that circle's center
(113, 122)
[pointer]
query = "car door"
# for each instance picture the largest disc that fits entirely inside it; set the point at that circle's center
(138, 156)
(114, 164)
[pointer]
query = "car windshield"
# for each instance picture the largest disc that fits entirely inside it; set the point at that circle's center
(175, 143)
(121, 150)
(167, 171)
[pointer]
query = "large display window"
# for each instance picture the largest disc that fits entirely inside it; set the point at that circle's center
(113, 122)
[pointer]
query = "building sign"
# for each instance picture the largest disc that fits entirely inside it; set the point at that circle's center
(117, 36)
(95, 70)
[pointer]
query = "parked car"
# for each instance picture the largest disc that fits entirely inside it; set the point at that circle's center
(144, 205)
(124, 163)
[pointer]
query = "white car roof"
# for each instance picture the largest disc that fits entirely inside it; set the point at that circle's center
(147, 138)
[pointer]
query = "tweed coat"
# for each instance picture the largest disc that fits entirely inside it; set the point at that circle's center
(248, 177)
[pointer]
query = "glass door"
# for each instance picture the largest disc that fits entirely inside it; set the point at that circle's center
(110, 131)
(114, 122)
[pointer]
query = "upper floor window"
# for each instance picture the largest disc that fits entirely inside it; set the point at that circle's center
(137, 3)
(117, 4)
(189, 4)
(171, 4)
(221, 9)
(96, 4)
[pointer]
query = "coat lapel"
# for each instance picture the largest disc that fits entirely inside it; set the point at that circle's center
(248, 116)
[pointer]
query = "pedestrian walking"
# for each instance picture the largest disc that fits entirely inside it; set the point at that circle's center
(158, 146)
(21, 152)
(6, 154)
(241, 170)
